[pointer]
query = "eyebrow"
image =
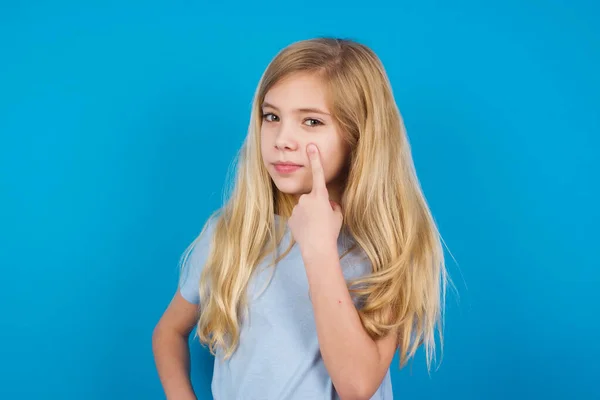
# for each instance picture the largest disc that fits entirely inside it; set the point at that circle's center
(299, 110)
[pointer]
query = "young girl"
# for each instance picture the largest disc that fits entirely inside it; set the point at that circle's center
(325, 259)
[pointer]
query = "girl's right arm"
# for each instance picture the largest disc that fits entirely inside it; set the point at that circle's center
(171, 349)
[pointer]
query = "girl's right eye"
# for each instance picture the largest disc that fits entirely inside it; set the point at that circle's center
(269, 117)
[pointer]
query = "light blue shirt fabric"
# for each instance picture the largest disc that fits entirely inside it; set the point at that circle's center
(278, 357)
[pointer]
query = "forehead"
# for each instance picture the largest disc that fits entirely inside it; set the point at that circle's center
(300, 90)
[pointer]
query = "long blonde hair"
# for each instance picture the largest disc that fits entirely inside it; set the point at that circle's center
(383, 206)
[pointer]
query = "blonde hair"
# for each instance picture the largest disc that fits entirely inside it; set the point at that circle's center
(383, 206)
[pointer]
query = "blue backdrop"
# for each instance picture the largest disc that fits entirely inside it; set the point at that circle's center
(119, 120)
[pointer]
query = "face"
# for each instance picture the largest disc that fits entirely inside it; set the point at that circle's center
(295, 113)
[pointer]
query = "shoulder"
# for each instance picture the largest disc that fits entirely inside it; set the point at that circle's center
(356, 265)
(193, 260)
(355, 262)
(202, 242)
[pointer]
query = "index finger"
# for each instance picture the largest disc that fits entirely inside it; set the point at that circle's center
(318, 184)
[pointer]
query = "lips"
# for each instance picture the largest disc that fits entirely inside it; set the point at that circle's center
(286, 167)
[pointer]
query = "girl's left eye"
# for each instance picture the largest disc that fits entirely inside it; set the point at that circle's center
(313, 122)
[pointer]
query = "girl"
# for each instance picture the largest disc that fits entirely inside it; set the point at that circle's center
(325, 260)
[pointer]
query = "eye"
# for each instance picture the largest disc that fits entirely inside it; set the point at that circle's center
(269, 117)
(313, 122)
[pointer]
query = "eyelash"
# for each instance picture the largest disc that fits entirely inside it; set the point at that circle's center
(316, 121)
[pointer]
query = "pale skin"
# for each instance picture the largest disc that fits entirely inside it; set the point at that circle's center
(295, 116)
(296, 113)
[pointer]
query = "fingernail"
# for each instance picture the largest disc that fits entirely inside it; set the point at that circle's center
(312, 148)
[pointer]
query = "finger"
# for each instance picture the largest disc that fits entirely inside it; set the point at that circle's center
(319, 185)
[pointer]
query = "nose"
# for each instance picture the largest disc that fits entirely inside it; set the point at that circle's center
(285, 139)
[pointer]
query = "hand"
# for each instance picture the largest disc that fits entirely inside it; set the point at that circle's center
(316, 221)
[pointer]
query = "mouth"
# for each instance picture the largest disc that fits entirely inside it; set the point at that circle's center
(286, 167)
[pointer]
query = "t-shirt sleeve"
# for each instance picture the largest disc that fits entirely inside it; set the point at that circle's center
(356, 265)
(192, 264)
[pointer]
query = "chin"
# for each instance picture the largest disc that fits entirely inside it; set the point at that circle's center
(289, 187)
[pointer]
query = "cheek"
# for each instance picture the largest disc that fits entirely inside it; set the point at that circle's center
(333, 159)
(264, 144)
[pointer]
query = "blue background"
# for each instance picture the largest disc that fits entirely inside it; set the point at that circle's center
(119, 120)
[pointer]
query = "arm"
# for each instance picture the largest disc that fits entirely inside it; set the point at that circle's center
(356, 363)
(171, 349)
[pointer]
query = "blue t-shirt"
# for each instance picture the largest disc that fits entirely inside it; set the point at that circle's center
(278, 356)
